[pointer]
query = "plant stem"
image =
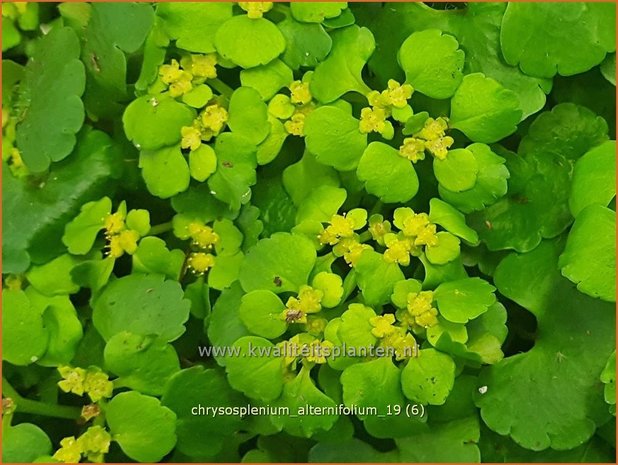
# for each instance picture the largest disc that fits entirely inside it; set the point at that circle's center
(160, 228)
(221, 87)
(35, 407)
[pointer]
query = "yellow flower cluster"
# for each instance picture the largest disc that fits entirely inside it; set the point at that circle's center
(432, 137)
(302, 100)
(416, 231)
(180, 78)
(392, 336)
(207, 125)
(350, 248)
(256, 10)
(205, 238)
(374, 118)
(307, 301)
(421, 310)
(120, 238)
(80, 381)
(91, 445)
(341, 234)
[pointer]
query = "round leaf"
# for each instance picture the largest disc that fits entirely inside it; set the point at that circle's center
(248, 115)
(446, 250)
(23, 332)
(165, 171)
(24, 443)
(464, 299)
(458, 171)
(260, 311)
(429, 377)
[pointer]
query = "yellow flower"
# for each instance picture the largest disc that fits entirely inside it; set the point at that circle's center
(439, 147)
(316, 326)
(372, 120)
(351, 249)
(309, 299)
(128, 240)
(398, 249)
(73, 379)
(427, 236)
(170, 73)
(214, 118)
(255, 9)
(433, 129)
(182, 85)
(415, 224)
(378, 228)
(191, 137)
(398, 94)
(296, 124)
(339, 227)
(201, 262)
(203, 66)
(300, 93)
(419, 302)
(69, 452)
(97, 385)
(14, 282)
(94, 443)
(427, 319)
(319, 350)
(403, 343)
(377, 99)
(382, 325)
(114, 223)
(413, 149)
(204, 236)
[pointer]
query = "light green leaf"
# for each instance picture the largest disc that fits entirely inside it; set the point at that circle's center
(386, 174)
(54, 278)
(332, 135)
(451, 219)
(198, 97)
(24, 443)
(458, 171)
(316, 12)
(354, 329)
(249, 42)
(446, 250)
(340, 72)
(608, 68)
(53, 83)
(589, 258)
(23, 332)
(301, 178)
(165, 171)
(463, 300)
(376, 277)
(260, 311)
(144, 429)
(81, 232)
(267, 79)
(484, 110)
(248, 115)
(428, 378)
(331, 285)
(141, 304)
(608, 377)
(306, 44)
(433, 63)
(202, 162)
(321, 204)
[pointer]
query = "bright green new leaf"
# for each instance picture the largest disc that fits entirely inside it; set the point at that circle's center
(340, 72)
(332, 135)
(608, 68)
(316, 12)
(281, 263)
(249, 42)
(386, 174)
(452, 220)
(53, 83)
(484, 110)
(589, 258)
(331, 285)
(432, 62)
(321, 204)
(267, 79)
(305, 44)
(80, 234)
(198, 97)
(428, 378)
(144, 429)
(458, 171)
(463, 300)
(261, 312)
(54, 278)
(446, 250)
(24, 443)
(581, 34)
(165, 171)
(376, 277)
(301, 178)
(23, 332)
(248, 115)
(608, 377)
(141, 304)
(355, 329)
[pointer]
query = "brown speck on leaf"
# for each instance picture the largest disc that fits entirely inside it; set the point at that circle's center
(488, 225)
(95, 63)
(228, 164)
(277, 281)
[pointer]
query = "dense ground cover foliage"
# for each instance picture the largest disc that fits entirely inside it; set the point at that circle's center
(194, 191)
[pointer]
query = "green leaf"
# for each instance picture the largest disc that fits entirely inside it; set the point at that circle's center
(143, 427)
(301, 178)
(54, 278)
(451, 219)
(331, 285)
(81, 232)
(376, 277)
(608, 377)
(446, 250)
(306, 44)
(249, 42)
(589, 258)
(463, 300)
(351, 450)
(93, 274)
(260, 311)
(198, 96)
(575, 337)
(268, 150)
(321, 204)
(141, 304)
(386, 174)
(484, 110)
(153, 256)
(193, 25)
(23, 331)
(581, 36)
(235, 173)
(608, 68)
(453, 441)
(155, 122)
(458, 171)
(184, 394)
(491, 182)
(594, 178)
(340, 72)
(143, 363)
(316, 12)
(355, 329)
(255, 371)
(428, 378)
(165, 171)
(281, 263)
(332, 135)
(267, 79)
(432, 62)
(248, 115)
(25, 442)
(298, 394)
(53, 83)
